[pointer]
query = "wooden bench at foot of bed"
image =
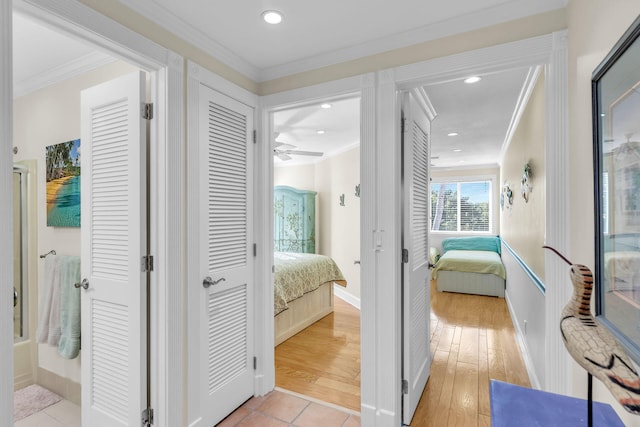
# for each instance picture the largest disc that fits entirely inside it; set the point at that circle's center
(303, 312)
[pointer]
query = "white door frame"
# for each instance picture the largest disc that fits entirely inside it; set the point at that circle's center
(6, 217)
(551, 52)
(166, 186)
(380, 211)
(360, 86)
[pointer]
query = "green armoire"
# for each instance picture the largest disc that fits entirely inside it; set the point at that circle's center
(294, 220)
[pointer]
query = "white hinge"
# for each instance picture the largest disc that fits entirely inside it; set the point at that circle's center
(255, 363)
(405, 386)
(147, 263)
(147, 111)
(405, 256)
(147, 417)
(255, 136)
(255, 250)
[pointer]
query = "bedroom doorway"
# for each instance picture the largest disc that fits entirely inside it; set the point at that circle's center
(316, 199)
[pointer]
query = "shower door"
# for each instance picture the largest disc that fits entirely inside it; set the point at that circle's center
(20, 303)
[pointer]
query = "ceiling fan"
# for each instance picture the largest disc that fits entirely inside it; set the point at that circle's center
(284, 151)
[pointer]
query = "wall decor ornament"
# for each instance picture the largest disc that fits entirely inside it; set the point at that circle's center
(525, 182)
(506, 197)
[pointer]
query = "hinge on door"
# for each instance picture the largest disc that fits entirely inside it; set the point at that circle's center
(255, 363)
(402, 120)
(147, 417)
(147, 263)
(255, 136)
(405, 386)
(147, 111)
(405, 256)
(255, 250)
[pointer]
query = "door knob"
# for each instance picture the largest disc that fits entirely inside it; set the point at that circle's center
(208, 281)
(84, 284)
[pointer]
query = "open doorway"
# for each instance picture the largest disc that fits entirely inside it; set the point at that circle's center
(316, 192)
(47, 112)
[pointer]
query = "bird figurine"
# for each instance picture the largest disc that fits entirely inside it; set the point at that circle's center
(593, 346)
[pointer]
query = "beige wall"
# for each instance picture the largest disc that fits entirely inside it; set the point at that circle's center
(339, 226)
(594, 28)
(302, 177)
(45, 117)
(523, 226)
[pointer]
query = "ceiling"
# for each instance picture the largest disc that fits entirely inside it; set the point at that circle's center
(310, 36)
(317, 34)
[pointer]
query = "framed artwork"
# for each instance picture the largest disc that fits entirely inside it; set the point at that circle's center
(63, 184)
(616, 142)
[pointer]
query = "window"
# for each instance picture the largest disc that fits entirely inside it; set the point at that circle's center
(461, 206)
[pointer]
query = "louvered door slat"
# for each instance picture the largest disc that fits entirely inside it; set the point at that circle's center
(421, 195)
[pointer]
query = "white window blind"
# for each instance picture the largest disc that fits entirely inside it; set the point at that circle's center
(461, 206)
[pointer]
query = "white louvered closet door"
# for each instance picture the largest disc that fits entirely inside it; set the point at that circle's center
(226, 254)
(416, 361)
(113, 143)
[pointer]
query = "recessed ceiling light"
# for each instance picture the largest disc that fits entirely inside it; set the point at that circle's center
(472, 79)
(457, 150)
(272, 16)
(320, 132)
(325, 106)
(452, 134)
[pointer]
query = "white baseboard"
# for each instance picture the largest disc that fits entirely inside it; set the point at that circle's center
(528, 362)
(342, 293)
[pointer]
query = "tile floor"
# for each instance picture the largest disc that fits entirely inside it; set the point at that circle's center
(276, 409)
(61, 414)
(282, 408)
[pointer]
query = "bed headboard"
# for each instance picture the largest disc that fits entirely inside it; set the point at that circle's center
(476, 243)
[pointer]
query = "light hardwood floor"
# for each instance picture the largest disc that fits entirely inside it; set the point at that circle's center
(323, 361)
(472, 341)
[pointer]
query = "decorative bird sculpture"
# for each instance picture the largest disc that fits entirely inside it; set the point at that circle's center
(593, 346)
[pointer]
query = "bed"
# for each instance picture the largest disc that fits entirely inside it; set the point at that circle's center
(471, 265)
(303, 291)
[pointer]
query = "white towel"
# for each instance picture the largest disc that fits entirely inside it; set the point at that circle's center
(49, 307)
(69, 346)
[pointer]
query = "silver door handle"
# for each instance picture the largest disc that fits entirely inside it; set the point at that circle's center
(208, 281)
(84, 284)
(356, 262)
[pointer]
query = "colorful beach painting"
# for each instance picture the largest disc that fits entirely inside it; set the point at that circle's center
(63, 184)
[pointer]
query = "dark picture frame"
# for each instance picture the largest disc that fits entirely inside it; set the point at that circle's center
(615, 87)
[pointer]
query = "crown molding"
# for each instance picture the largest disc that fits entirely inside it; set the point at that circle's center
(523, 99)
(63, 72)
(187, 32)
(469, 22)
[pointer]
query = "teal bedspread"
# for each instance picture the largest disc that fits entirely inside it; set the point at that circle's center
(475, 243)
(470, 261)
